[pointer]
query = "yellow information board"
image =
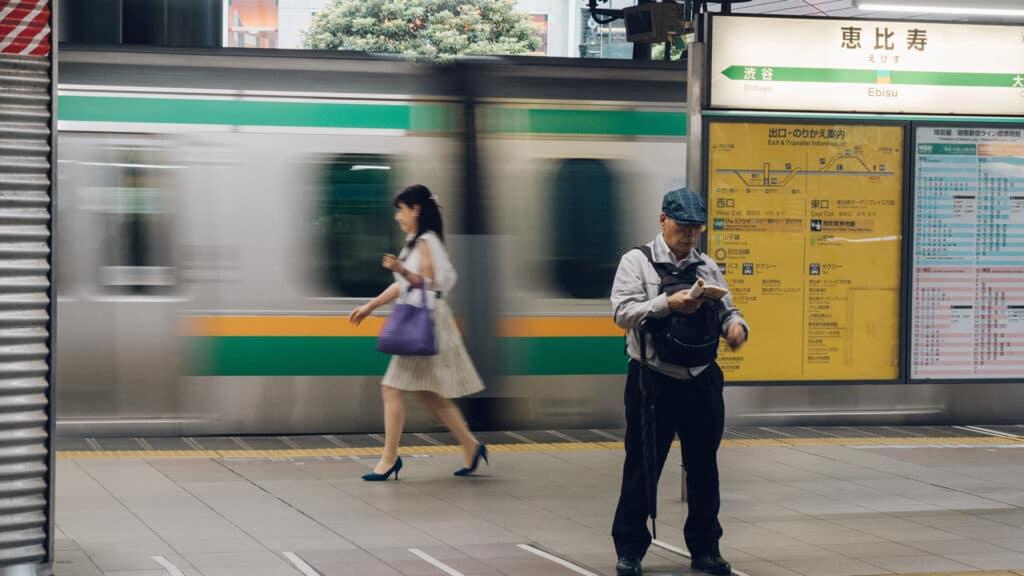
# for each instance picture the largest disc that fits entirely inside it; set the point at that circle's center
(805, 221)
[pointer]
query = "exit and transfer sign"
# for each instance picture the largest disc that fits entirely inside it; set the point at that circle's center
(834, 65)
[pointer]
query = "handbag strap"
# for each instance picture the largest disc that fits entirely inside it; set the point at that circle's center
(423, 295)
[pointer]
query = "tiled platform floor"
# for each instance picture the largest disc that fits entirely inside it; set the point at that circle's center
(793, 503)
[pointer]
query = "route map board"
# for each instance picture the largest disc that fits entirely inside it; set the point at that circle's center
(968, 258)
(806, 225)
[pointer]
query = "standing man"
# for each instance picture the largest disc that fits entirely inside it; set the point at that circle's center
(650, 295)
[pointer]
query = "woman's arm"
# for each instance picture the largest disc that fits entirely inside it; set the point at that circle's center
(387, 296)
(425, 277)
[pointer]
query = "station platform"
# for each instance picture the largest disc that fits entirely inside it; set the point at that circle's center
(822, 501)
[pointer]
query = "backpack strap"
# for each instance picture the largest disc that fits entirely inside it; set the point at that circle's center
(641, 331)
(646, 251)
(662, 268)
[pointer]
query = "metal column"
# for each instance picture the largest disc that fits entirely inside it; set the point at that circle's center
(27, 124)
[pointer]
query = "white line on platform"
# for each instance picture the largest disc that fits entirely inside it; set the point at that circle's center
(611, 437)
(299, 563)
(191, 442)
(561, 435)
(556, 560)
(686, 554)
(913, 446)
(290, 443)
(519, 437)
(333, 440)
(171, 568)
(428, 439)
(435, 562)
(988, 432)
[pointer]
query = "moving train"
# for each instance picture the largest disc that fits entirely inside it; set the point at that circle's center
(220, 213)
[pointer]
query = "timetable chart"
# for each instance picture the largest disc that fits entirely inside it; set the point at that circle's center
(968, 251)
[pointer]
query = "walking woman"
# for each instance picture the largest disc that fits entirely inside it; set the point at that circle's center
(424, 263)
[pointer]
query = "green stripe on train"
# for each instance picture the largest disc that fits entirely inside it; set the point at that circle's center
(357, 356)
(565, 355)
(610, 122)
(417, 117)
(427, 117)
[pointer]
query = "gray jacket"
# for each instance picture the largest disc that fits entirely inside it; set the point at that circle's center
(635, 297)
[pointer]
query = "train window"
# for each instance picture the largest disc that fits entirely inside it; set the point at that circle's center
(356, 223)
(584, 227)
(137, 244)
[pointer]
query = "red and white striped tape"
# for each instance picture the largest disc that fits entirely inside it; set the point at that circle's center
(25, 27)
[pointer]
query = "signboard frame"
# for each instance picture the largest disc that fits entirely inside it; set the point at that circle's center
(909, 238)
(709, 71)
(903, 293)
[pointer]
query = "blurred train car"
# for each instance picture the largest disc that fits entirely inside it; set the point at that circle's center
(220, 213)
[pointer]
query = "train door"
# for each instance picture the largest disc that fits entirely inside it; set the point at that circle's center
(298, 224)
(121, 330)
(565, 206)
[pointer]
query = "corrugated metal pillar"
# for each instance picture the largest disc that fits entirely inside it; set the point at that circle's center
(27, 119)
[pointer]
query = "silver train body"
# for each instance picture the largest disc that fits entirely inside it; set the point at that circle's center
(219, 214)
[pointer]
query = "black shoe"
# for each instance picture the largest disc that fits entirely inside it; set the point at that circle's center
(481, 452)
(628, 567)
(711, 564)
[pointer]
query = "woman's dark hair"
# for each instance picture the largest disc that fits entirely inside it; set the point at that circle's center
(430, 213)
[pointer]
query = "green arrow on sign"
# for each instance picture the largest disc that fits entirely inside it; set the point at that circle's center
(851, 76)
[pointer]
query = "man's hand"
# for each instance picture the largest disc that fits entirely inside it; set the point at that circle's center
(735, 335)
(681, 303)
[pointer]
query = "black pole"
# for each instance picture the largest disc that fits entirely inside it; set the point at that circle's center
(648, 431)
(480, 296)
(56, 29)
(642, 51)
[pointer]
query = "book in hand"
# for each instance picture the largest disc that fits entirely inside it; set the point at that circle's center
(701, 289)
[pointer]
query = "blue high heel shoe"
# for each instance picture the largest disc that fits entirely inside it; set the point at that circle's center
(481, 452)
(374, 477)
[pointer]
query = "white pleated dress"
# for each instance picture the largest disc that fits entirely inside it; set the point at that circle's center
(450, 373)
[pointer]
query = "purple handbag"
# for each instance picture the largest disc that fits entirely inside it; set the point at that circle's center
(409, 330)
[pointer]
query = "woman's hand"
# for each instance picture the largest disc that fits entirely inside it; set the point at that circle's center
(359, 314)
(391, 263)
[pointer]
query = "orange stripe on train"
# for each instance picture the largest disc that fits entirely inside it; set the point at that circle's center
(518, 327)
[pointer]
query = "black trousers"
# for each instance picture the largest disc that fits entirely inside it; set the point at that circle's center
(694, 410)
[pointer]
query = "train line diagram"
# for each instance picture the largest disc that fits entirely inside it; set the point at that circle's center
(845, 163)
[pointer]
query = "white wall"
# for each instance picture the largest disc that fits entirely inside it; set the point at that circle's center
(559, 21)
(294, 17)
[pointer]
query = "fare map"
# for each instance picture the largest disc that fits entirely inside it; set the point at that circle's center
(805, 222)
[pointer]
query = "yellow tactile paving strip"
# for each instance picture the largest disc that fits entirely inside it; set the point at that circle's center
(539, 447)
(875, 441)
(983, 573)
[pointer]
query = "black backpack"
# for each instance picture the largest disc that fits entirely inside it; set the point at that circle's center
(683, 339)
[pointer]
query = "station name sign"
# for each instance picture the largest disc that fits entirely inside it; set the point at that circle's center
(842, 65)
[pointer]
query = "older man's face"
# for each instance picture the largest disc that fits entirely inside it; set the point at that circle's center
(681, 238)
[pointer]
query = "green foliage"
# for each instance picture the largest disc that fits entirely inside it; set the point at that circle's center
(677, 52)
(435, 29)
